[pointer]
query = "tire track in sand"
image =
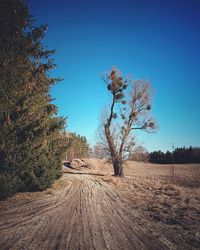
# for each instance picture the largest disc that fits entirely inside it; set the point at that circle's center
(89, 214)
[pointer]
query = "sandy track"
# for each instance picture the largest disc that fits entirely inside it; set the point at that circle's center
(88, 214)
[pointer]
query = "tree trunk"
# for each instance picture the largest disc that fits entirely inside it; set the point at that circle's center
(118, 167)
(116, 159)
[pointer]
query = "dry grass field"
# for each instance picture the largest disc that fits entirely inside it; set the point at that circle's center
(88, 208)
(171, 204)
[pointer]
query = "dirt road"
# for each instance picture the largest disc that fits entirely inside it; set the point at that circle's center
(86, 214)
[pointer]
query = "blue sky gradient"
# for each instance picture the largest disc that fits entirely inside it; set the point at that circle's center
(154, 40)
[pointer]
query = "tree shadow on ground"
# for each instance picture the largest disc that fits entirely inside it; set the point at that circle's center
(83, 173)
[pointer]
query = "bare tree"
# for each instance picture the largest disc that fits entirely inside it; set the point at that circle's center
(129, 111)
(139, 154)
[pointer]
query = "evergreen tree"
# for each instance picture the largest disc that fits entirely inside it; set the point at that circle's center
(31, 140)
(181, 155)
(77, 147)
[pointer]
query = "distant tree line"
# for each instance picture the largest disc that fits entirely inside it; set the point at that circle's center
(77, 147)
(180, 155)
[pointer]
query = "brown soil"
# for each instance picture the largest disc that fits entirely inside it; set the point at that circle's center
(86, 211)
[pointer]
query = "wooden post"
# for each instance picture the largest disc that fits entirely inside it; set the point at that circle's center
(173, 172)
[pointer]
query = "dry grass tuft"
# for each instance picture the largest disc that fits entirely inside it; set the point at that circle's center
(172, 205)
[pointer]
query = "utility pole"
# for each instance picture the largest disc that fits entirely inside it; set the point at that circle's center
(173, 174)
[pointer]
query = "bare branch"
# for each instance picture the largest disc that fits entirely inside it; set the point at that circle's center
(125, 116)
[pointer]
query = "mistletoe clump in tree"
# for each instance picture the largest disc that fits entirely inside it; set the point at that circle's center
(31, 138)
(128, 112)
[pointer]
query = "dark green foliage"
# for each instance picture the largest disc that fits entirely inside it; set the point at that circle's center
(124, 102)
(117, 86)
(148, 107)
(123, 116)
(109, 87)
(77, 147)
(119, 96)
(181, 155)
(31, 140)
(125, 86)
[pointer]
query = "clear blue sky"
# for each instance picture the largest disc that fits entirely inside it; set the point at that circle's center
(154, 40)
